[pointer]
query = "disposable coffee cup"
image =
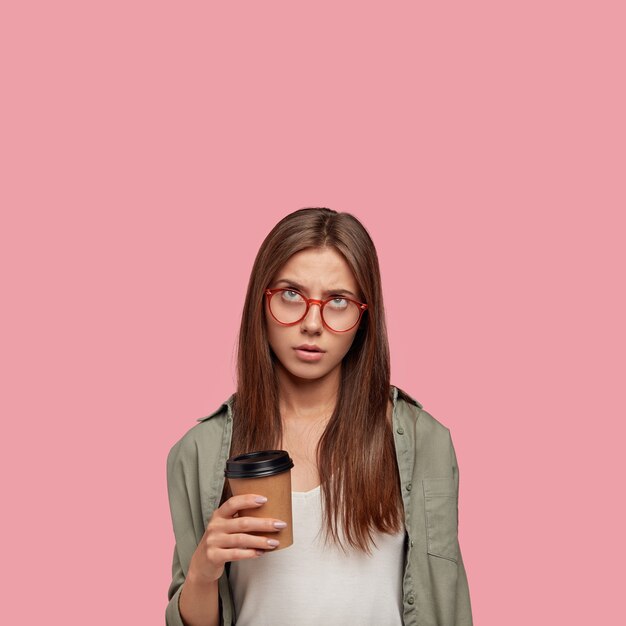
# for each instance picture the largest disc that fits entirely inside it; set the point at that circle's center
(266, 473)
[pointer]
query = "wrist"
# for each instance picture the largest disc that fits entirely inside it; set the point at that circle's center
(198, 579)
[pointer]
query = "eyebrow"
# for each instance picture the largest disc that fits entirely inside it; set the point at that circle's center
(293, 283)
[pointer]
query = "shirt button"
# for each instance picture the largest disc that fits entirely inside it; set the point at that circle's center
(412, 543)
(411, 600)
(400, 430)
(409, 487)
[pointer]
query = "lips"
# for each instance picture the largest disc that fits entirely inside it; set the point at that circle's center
(308, 353)
(309, 348)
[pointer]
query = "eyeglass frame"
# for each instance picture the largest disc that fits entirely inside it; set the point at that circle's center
(309, 301)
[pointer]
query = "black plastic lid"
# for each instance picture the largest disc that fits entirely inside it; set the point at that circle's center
(258, 464)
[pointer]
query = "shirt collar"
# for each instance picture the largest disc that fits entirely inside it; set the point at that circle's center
(395, 393)
(229, 407)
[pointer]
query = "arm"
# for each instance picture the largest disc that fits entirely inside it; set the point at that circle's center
(463, 603)
(191, 603)
(201, 553)
(197, 604)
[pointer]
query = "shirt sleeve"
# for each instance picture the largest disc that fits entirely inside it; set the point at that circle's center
(186, 512)
(172, 613)
(463, 616)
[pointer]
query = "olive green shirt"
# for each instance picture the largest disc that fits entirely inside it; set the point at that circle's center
(435, 589)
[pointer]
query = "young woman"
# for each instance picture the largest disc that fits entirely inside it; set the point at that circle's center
(375, 478)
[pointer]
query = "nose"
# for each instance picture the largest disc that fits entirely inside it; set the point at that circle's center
(312, 321)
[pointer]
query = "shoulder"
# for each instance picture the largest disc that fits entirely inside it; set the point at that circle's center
(203, 438)
(412, 410)
(428, 438)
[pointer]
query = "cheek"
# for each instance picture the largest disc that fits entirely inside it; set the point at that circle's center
(270, 328)
(278, 336)
(344, 343)
(271, 335)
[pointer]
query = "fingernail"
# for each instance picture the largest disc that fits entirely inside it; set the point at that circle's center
(261, 499)
(260, 552)
(280, 524)
(272, 542)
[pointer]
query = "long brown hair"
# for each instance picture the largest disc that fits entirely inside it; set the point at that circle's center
(357, 447)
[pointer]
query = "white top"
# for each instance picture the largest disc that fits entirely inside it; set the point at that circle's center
(310, 583)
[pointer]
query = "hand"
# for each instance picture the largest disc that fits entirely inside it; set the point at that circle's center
(226, 537)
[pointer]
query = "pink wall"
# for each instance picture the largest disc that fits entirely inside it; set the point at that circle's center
(148, 147)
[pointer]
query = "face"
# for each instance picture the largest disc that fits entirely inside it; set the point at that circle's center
(319, 273)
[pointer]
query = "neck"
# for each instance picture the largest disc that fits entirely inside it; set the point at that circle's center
(305, 399)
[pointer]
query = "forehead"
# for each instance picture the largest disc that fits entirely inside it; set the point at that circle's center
(319, 268)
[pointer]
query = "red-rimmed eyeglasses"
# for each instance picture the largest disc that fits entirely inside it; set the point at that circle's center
(339, 314)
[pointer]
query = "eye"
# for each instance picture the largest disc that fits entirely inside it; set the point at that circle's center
(291, 295)
(338, 303)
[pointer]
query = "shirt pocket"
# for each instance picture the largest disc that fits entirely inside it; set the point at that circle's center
(441, 505)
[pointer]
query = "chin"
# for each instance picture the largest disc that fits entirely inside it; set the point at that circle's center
(306, 374)
(307, 371)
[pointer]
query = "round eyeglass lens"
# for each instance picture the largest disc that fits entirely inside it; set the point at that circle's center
(341, 314)
(289, 307)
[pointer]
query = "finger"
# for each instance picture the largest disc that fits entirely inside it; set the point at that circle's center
(239, 554)
(241, 540)
(237, 503)
(252, 525)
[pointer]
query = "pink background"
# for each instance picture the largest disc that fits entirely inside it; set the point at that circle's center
(148, 147)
